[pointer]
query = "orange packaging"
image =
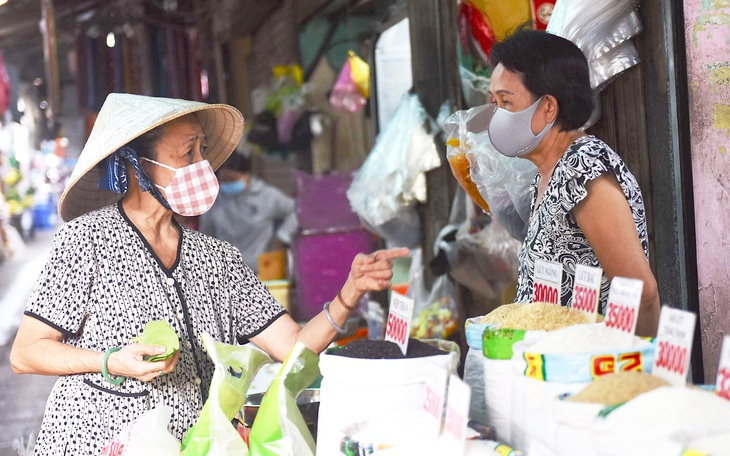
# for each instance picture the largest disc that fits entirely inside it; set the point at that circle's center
(505, 17)
(462, 172)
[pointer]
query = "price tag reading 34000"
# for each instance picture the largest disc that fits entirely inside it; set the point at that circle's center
(674, 345)
(398, 326)
(547, 281)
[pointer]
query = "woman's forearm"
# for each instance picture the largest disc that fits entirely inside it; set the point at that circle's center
(52, 357)
(318, 333)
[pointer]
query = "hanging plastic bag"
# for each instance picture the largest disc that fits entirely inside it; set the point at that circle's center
(235, 369)
(352, 88)
(392, 180)
(439, 316)
(279, 428)
(612, 63)
(504, 183)
(145, 436)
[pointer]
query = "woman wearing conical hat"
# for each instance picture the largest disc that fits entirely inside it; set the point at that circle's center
(122, 260)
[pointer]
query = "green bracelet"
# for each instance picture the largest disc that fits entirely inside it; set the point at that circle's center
(105, 373)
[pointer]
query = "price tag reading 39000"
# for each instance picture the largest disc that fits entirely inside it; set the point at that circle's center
(587, 290)
(622, 310)
(674, 345)
(398, 326)
(547, 281)
(723, 373)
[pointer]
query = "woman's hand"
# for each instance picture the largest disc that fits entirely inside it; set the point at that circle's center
(129, 362)
(373, 271)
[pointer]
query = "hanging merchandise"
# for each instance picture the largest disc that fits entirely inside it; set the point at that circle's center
(437, 317)
(602, 30)
(503, 183)
(541, 12)
(352, 88)
(4, 87)
(392, 179)
(504, 17)
(475, 31)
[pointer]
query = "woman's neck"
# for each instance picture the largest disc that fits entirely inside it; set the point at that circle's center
(147, 214)
(547, 155)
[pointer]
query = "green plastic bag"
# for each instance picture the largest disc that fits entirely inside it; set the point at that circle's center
(279, 428)
(235, 369)
(159, 332)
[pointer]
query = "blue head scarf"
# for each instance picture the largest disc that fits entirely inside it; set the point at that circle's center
(115, 179)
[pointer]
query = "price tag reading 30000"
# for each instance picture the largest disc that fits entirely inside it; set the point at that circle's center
(674, 345)
(398, 326)
(547, 281)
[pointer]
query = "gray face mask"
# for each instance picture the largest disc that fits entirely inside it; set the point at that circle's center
(511, 132)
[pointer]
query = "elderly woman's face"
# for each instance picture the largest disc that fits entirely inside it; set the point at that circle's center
(182, 144)
(506, 89)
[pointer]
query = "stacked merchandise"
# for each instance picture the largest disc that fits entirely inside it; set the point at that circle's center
(330, 237)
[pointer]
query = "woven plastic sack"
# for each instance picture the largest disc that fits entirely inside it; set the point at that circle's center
(145, 436)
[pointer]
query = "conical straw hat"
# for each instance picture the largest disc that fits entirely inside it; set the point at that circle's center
(124, 117)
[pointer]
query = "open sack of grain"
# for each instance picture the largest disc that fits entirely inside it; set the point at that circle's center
(565, 361)
(369, 379)
(503, 327)
(575, 414)
(663, 422)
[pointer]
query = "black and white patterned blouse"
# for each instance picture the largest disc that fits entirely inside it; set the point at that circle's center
(553, 233)
(101, 285)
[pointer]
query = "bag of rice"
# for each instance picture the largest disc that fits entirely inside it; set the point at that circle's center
(474, 369)
(574, 414)
(714, 445)
(509, 324)
(661, 422)
(564, 361)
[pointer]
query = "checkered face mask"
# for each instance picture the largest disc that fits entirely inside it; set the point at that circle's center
(192, 190)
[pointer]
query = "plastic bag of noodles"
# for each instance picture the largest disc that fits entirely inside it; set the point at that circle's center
(235, 369)
(279, 428)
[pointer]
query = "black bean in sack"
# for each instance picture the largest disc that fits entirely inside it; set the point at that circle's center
(381, 349)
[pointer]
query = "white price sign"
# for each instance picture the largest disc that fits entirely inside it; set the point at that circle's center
(433, 404)
(622, 310)
(587, 290)
(547, 282)
(722, 386)
(457, 413)
(674, 345)
(398, 326)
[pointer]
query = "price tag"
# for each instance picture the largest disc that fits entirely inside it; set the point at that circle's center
(723, 372)
(457, 413)
(433, 404)
(622, 311)
(587, 290)
(674, 345)
(399, 320)
(547, 283)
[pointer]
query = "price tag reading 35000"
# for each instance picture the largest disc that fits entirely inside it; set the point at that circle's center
(399, 320)
(587, 290)
(547, 281)
(674, 345)
(723, 373)
(622, 311)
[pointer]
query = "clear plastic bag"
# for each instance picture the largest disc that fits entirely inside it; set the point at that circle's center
(235, 369)
(438, 316)
(146, 436)
(613, 32)
(392, 179)
(613, 63)
(279, 428)
(503, 182)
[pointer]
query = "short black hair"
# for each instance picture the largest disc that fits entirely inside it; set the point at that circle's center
(549, 65)
(238, 162)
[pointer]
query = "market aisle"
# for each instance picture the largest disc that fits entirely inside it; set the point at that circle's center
(22, 397)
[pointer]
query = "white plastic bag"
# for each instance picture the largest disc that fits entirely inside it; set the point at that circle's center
(390, 182)
(611, 64)
(146, 436)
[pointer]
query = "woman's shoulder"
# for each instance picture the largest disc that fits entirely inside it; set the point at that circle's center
(209, 244)
(92, 222)
(589, 155)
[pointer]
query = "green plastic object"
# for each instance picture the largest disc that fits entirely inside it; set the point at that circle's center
(235, 368)
(279, 428)
(159, 332)
(497, 342)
